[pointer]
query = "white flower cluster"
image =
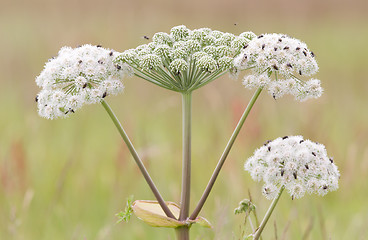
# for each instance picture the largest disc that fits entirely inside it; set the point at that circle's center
(184, 58)
(301, 166)
(79, 76)
(278, 63)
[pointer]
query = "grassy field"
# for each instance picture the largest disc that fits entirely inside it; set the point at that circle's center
(66, 179)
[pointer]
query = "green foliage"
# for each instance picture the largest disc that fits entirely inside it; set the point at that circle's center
(128, 211)
(245, 206)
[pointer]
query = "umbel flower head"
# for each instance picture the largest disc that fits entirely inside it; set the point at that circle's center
(185, 60)
(301, 166)
(79, 76)
(280, 64)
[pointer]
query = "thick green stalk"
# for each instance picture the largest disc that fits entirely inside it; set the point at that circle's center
(257, 234)
(182, 233)
(137, 160)
(224, 155)
(186, 168)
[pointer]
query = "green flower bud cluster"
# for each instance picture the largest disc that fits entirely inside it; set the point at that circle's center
(185, 60)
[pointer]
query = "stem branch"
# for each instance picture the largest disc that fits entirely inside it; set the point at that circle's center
(224, 155)
(268, 214)
(138, 160)
(186, 171)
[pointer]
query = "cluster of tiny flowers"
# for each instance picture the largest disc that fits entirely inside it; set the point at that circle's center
(278, 63)
(185, 55)
(301, 166)
(79, 76)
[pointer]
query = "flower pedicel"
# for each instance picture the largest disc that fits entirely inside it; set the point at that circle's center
(185, 60)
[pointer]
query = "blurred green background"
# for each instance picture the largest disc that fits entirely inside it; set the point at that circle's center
(66, 179)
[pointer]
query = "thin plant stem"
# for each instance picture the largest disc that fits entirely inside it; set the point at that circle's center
(254, 212)
(137, 159)
(224, 155)
(251, 223)
(256, 218)
(186, 168)
(257, 234)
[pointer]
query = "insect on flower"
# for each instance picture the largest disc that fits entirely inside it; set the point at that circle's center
(69, 81)
(277, 70)
(293, 158)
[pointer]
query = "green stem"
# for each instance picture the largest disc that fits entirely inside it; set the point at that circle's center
(224, 155)
(268, 214)
(137, 160)
(256, 218)
(186, 168)
(182, 233)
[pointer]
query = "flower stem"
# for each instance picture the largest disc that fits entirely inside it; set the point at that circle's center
(186, 168)
(137, 160)
(268, 214)
(224, 155)
(182, 233)
(256, 218)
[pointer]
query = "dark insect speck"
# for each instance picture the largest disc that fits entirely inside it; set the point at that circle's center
(301, 141)
(289, 65)
(306, 166)
(260, 36)
(294, 174)
(314, 154)
(331, 160)
(282, 172)
(300, 72)
(298, 48)
(305, 53)
(99, 46)
(69, 111)
(286, 48)
(111, 53)
(269, 148)
(104, 94)
(312, 54)
(118, 67)
(263, 46)
(275, 67)
(285, 137)
(245, 46)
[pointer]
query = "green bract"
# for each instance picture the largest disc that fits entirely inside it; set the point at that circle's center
(184, 60)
